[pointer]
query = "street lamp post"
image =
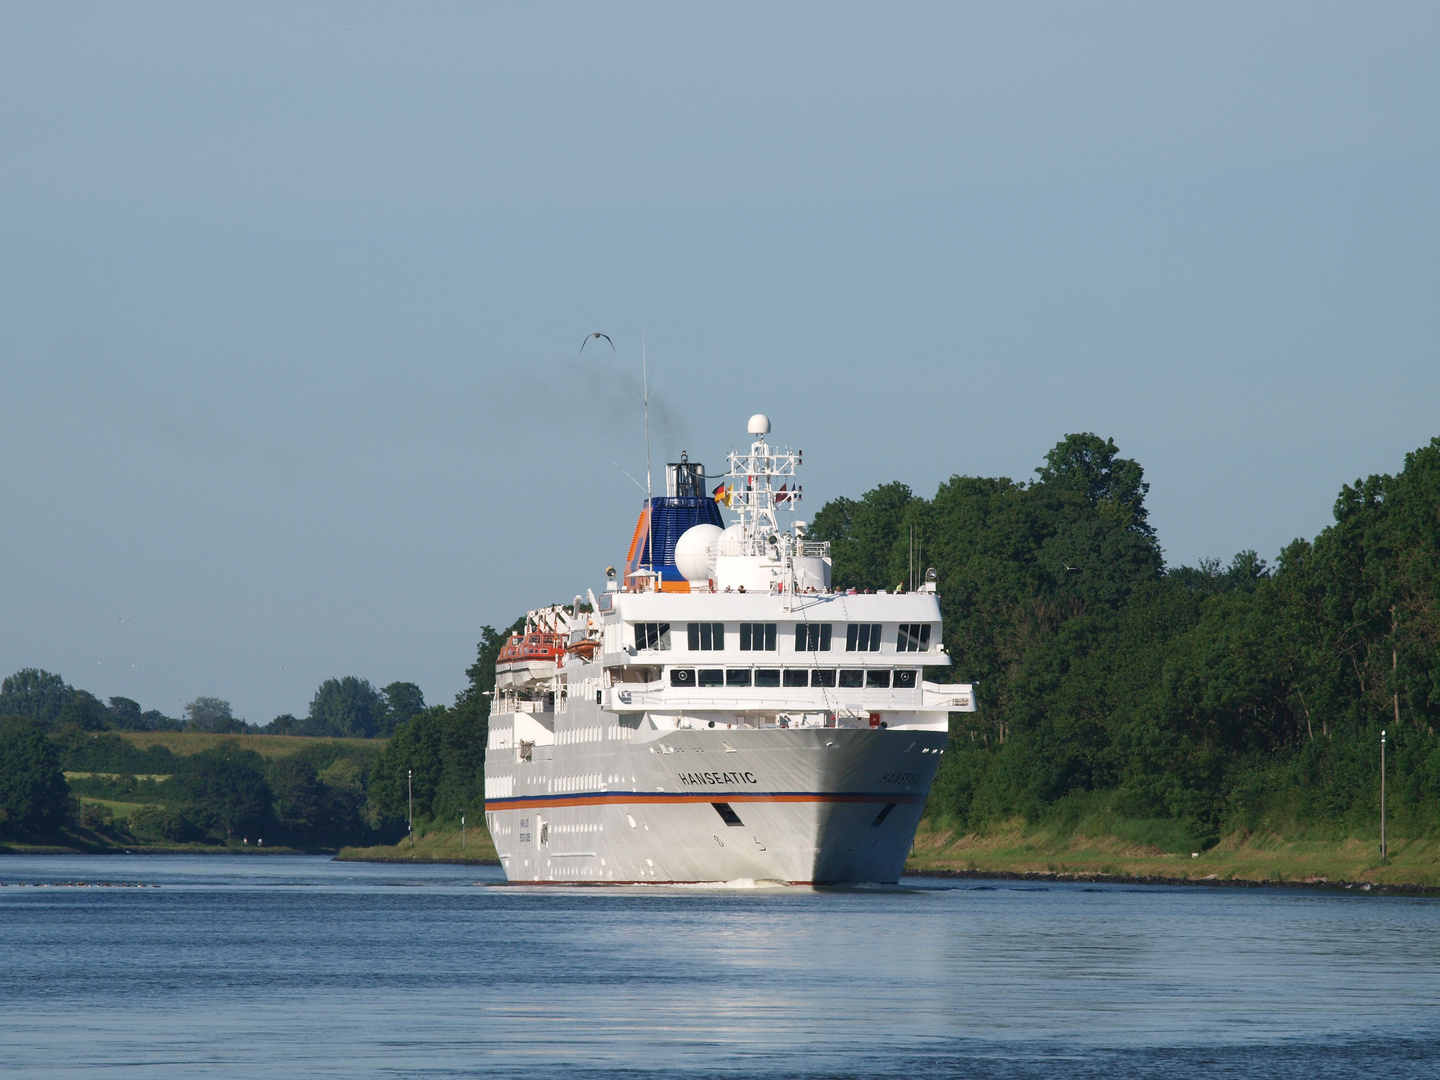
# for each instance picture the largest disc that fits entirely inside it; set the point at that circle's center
(1382, 796)
(410, 793)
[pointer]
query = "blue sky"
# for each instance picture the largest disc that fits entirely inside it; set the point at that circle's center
(291, 298)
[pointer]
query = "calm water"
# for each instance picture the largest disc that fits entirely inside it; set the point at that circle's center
(298, 966)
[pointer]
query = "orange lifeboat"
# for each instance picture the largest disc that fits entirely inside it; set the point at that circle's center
(585, 648)
(529, 658)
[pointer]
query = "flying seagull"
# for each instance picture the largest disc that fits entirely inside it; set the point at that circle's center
(1068, 568)
(595, 335)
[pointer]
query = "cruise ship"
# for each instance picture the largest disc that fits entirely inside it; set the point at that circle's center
(720, 713)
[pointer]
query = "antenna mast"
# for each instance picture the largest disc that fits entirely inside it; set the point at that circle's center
(645, 399)
(649, 496)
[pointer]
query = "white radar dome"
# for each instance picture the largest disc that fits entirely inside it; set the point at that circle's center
(692, 551)
(759, 424)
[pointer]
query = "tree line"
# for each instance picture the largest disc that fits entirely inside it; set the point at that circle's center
(1202, 700)
(348, 707)
(326, 794)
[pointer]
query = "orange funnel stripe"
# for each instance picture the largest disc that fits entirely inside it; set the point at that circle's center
(637, 547)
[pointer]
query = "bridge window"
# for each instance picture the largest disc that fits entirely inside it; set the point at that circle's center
(652, 635)
(712, 677)
(862, 637)
(850, 678)
(737, 677)
(913, 637)
(812, 637)
(905, 678)
(877, 677)
(757, 637)
(682, 676)
(767, 676)
(706, 636)
(822, 677)
(797, 677)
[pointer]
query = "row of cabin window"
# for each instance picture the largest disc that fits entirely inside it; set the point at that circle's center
(846, 678)
(761, 637)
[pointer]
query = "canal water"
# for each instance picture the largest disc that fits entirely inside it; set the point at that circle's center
(296, 966)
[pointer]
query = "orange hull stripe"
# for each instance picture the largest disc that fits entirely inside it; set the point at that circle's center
(660, 797)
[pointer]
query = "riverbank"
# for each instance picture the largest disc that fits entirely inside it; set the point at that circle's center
(74, 844)
(1017, 850)
(1012, 850)
(433, 844)
(115, 839)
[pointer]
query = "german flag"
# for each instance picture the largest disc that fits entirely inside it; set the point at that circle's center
(722, 494)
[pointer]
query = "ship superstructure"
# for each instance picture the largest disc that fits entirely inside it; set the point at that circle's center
(719, 712)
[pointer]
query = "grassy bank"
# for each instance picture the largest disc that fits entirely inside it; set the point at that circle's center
(79, 840)
(1014, 848)
(433, 843)
(1009, 849)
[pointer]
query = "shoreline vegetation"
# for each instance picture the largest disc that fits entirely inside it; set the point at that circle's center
(1015, 849)
(433, 844)
(1020, 852)
(1011, 851)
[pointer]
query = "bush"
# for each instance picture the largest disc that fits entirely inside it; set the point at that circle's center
(96, 816)
(164, 823)
(84, 751)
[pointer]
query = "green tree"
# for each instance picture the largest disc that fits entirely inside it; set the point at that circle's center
(155, 720)
(1092, 468)
(299, 795)
(34, 797)
(225, 789)
(398, 702)
(212, 714)
(85, 711)
(344, 707)
(413, 761)
(34, 693)
(126, 715)
(445, 751)
(864, 536)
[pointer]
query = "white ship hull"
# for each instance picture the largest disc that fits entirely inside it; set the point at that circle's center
(802, 805)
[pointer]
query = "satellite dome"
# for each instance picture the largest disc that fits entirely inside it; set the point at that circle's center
(759, 424)
(692, 551)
